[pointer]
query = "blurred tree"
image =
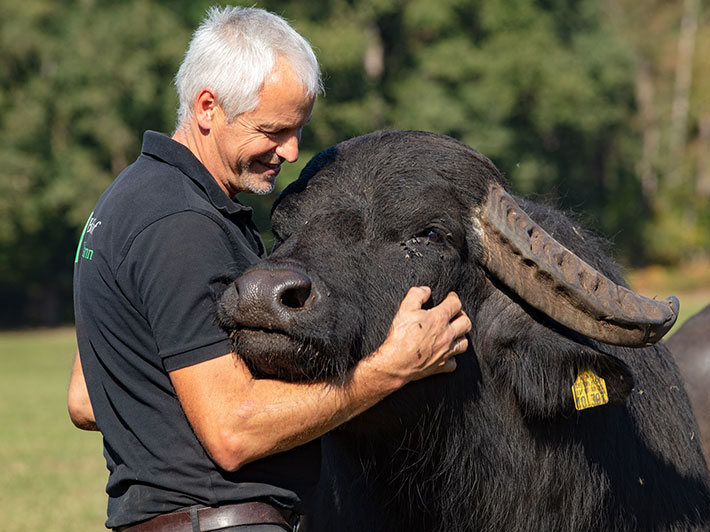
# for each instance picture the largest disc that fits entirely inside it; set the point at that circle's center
(79, 82)
(572, 99)
(673, 120)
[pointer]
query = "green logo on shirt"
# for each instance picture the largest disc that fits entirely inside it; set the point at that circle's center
(82, 250)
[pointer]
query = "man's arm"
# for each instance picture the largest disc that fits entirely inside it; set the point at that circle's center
(239, 419)
(78, 402)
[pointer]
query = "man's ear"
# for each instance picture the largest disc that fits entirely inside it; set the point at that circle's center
(205, 108)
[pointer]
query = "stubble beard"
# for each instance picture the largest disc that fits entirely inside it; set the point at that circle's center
(257, 183)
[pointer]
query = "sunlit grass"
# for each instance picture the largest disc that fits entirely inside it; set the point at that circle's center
(53, 475)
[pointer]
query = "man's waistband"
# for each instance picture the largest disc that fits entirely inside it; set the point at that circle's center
(205, 519)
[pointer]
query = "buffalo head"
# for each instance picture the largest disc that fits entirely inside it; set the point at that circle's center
(375, 215)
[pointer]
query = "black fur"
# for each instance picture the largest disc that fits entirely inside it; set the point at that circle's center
(497, 445)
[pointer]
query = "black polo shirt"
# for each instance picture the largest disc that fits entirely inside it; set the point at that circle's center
(156, 252)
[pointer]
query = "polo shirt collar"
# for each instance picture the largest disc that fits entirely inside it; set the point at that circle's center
(170, 151)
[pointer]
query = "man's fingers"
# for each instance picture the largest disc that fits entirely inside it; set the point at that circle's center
(460, 324)
(459, 345)
(449, 307)
(449, 365)
(415, 298)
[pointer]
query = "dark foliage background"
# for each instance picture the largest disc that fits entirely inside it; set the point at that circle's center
(600, 106)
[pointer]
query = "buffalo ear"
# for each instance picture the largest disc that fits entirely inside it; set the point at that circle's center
(617, 377)
(538, 361)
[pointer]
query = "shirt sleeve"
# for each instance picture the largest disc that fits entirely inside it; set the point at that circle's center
(177, 268)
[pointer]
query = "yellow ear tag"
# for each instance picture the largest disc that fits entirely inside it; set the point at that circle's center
(589, 390)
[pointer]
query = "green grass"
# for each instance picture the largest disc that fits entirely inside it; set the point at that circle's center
(53, 475)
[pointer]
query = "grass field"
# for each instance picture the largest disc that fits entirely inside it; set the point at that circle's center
(53, 475)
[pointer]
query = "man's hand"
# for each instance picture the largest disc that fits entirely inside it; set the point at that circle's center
(422, 342)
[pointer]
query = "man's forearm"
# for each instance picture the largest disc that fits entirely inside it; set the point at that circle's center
(240, 419)
(278, 416)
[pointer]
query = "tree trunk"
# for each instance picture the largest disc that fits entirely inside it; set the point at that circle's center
(650, 134)
(683, 79)
(703, 176)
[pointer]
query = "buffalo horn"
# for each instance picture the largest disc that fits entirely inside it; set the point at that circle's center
(555, 281)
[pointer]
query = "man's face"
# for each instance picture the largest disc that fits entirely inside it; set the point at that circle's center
(252, 147)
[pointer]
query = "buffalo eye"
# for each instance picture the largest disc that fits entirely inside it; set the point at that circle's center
(417, 244)
(434, 236)
(431, 236)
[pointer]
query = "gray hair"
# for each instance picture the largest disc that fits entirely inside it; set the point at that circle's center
(233, 51)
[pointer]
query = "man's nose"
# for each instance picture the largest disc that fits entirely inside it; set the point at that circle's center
(288, 148)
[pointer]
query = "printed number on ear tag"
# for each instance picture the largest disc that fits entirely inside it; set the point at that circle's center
(589, 390)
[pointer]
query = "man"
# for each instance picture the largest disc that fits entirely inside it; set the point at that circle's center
(191, 440)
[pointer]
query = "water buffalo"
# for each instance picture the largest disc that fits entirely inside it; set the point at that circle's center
(498, 445)
(690, 346)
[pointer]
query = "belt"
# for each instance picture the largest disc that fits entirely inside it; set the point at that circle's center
(204, 519)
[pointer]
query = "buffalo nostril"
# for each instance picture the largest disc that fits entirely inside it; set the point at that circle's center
(296, 297)
(270, 298)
